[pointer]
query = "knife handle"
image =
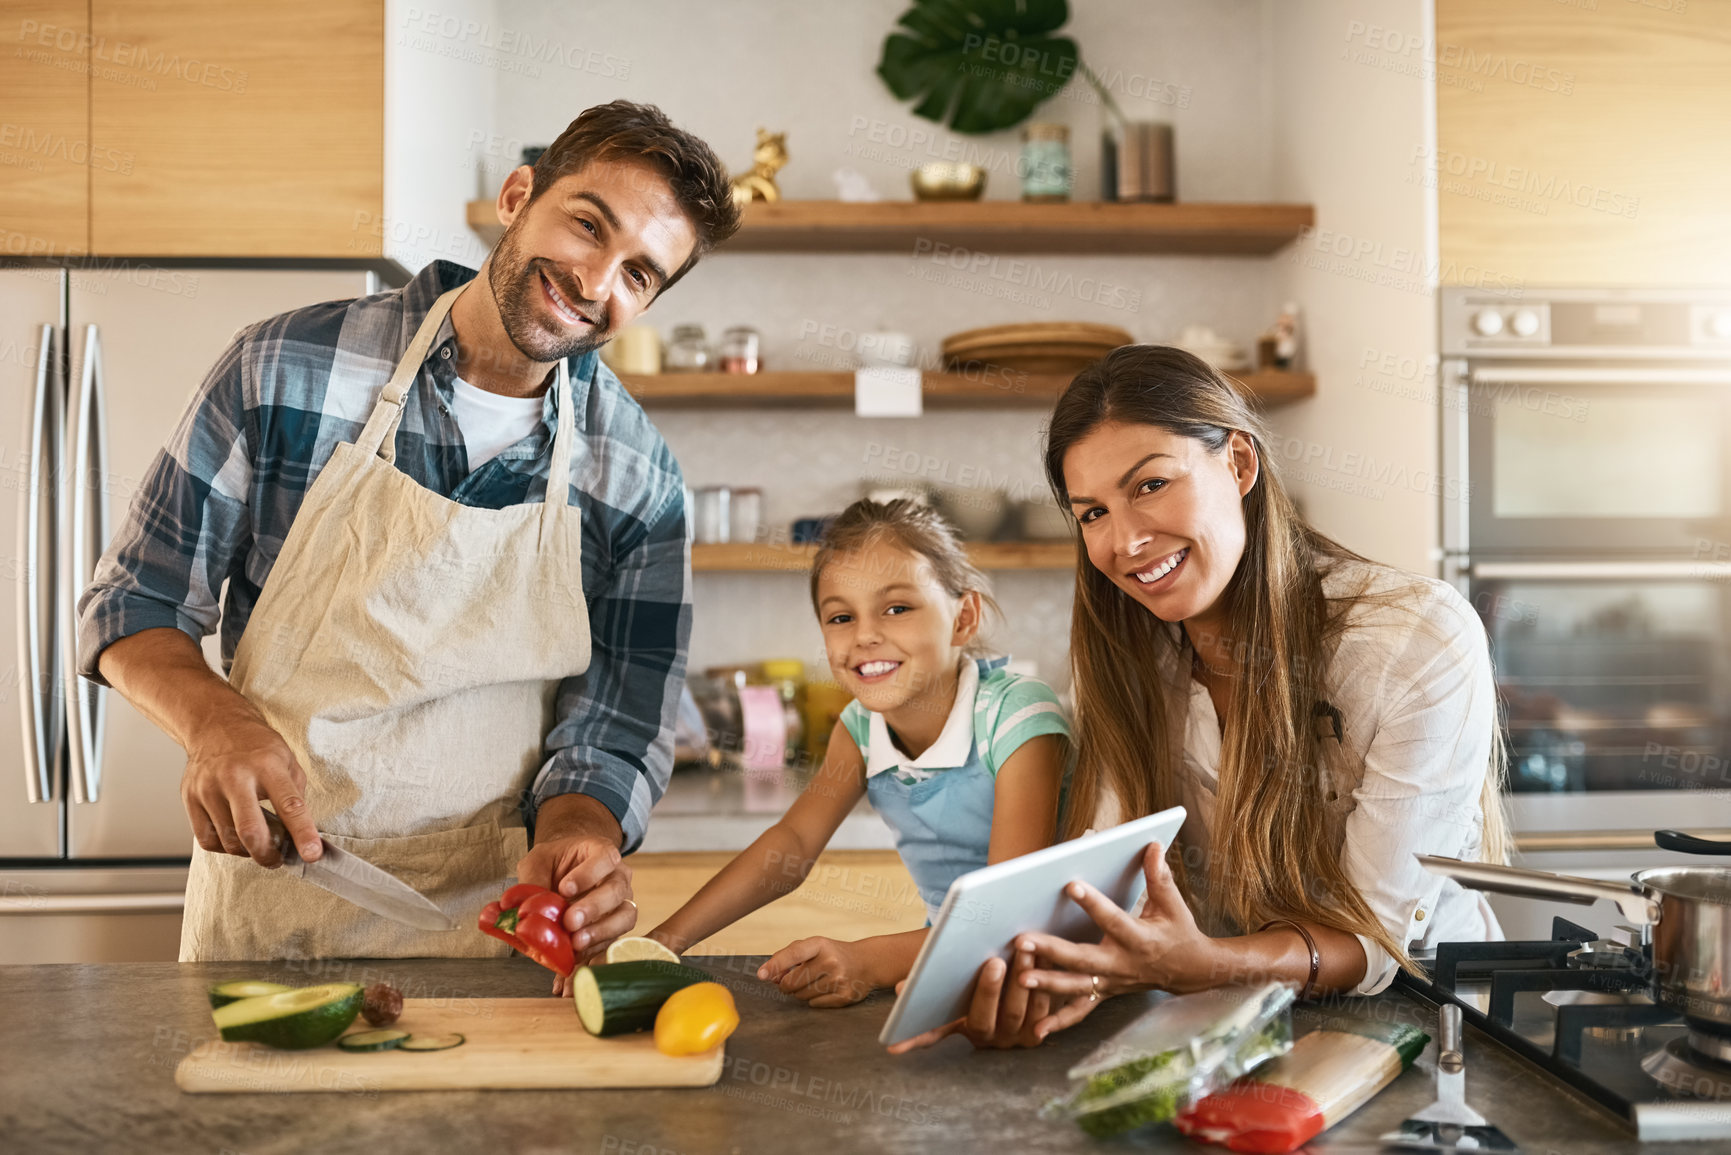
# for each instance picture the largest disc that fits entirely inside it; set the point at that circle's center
(279, 834)
(1449, 1057)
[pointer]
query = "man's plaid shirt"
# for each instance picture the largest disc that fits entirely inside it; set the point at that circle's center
(219, 499)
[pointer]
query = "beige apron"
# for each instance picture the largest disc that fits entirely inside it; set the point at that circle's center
(408, 649)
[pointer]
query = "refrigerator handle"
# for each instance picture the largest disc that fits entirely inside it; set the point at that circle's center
(40, 689)
(87, 507)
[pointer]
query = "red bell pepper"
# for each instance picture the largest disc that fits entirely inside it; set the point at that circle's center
(547, 943)
(528, 917)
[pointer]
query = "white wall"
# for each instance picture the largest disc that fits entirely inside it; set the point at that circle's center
(440, 85)
(1263, 107)
(1362, 454)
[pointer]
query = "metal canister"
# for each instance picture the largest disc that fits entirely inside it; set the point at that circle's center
(1046, 162)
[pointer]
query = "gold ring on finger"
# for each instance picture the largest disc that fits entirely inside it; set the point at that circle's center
(1093, 988)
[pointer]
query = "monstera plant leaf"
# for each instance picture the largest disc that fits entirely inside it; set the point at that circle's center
(983, 65)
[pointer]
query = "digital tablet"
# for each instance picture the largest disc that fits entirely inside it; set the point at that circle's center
(987, 908)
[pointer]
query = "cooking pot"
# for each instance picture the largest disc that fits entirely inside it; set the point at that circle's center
(1685, 911)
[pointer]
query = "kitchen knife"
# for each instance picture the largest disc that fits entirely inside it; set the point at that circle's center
(358, 881)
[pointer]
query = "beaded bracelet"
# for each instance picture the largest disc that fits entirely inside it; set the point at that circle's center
(1310, 942)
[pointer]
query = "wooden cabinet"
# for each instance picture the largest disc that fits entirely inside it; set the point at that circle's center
(45, 156)
(1582, 144)
(205, 128)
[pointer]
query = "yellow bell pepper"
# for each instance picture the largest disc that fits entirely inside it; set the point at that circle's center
(695, 1019)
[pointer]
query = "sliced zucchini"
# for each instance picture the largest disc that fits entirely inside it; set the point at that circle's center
(617, 998)
(372, 1040)
(222, 994)
(294, 1019)
(431, 1042)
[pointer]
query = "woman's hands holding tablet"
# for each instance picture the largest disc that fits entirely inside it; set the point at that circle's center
(1162, 949)
(1002, 1013)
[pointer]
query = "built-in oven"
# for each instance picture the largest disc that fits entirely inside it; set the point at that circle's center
(1586, 513)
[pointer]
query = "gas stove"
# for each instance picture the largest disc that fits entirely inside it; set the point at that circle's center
(1581, 1007)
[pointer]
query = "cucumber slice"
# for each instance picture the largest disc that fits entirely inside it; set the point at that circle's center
(372, 1040)
(431, 1042)
(617, 998)
(222, 994)
(292, 1020)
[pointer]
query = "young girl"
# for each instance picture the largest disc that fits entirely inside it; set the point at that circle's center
(962, 758)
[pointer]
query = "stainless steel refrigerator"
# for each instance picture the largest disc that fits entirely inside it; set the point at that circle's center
(97, 366)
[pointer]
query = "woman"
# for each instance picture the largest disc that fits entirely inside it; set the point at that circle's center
(1322, 718)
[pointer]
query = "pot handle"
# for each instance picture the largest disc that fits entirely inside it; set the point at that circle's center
(1688, 843)
(1636, 906)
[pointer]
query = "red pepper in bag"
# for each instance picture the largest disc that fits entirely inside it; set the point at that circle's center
(529, 918)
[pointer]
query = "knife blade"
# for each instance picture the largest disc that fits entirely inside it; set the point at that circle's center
(358, 881)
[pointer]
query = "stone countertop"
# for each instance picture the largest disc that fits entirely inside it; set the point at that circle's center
(89, 1055)
(723, 810)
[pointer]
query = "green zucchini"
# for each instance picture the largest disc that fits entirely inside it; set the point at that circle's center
(223, 994)
(372, 1040)
(293, 1020)
(431, 1042)
(618, 998)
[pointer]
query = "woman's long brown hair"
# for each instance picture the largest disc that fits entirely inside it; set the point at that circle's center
(1272, 853)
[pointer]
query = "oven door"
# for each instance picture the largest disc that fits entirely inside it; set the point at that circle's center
(1586, 461)
(1615, 682)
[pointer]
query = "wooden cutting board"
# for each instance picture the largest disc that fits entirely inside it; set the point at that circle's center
(512, 1044)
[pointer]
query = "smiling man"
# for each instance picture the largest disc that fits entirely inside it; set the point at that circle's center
(457, 606)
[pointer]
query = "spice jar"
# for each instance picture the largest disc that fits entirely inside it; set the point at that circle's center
(713, 515)
(739, 350)
(1046, 162)
(688, 352)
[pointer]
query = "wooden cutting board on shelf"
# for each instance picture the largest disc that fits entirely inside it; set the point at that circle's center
(511, 1044)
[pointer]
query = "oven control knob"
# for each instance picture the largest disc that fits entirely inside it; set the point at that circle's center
(1487, 322)
(1720, 324)
(1525, 323)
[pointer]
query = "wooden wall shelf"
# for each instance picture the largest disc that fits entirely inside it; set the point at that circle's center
(912, 227)
(751, 557)
(822, 390)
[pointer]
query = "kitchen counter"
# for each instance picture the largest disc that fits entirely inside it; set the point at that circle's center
(89, 1055)
(720, 810)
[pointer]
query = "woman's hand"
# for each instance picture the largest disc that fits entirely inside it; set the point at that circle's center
(1164, 949)
(822, 971)
(1000, 1014)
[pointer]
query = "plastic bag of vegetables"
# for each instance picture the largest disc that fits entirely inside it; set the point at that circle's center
(1180, 1050)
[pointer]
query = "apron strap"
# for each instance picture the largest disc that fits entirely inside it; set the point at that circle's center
(380, 434)
(558, 497)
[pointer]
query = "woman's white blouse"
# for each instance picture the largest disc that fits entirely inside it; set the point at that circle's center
(1411, 677)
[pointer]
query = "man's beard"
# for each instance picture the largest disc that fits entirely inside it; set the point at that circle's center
(516, 283)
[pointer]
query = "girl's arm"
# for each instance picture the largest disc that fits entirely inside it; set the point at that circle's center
(1024, 819)
(781, 857)
(1025, 799)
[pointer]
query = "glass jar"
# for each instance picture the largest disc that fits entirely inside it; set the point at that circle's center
(747, 513)
(739, 350)
(787, 675)
(713, 516)
(688, 352)
(1046, 163)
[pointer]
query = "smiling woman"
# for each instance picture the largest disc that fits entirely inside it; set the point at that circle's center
(1322, 718)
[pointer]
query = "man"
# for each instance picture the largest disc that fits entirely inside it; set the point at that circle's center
(431, 651)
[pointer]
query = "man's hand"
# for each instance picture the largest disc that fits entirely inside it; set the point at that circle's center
(233, 763)
(576, 853)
